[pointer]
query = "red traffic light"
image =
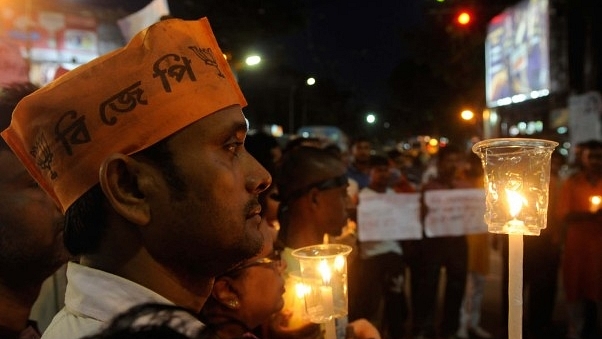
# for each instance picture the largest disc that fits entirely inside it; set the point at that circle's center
(463, 18)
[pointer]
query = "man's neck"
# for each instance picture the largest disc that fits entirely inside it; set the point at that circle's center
(148, 273)
(302, 233)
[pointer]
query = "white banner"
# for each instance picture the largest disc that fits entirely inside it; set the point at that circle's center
(585, 111)
(454, 212)
(134, 23)
(394, 216)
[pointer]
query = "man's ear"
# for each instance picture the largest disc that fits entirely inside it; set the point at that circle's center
(122, 180)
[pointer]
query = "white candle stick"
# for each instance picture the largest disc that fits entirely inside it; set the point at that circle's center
(330, 330)
(515, 286)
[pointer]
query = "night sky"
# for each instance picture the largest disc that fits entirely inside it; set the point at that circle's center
(356, 43)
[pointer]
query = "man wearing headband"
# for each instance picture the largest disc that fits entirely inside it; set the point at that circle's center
(143, 150)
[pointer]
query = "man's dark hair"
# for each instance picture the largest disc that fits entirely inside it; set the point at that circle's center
(85, 219)
(9, 98)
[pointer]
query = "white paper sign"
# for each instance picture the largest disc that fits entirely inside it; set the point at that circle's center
(394, 216)
(454, 212)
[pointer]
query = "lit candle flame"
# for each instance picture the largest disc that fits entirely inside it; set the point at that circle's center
(325, 271)
(515, 202)
(301, 290)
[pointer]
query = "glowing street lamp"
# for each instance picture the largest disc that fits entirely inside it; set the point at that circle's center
(253, 60)
(370, 118)
(467, 114)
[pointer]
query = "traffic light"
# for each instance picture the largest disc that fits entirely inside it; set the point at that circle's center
(463, 17)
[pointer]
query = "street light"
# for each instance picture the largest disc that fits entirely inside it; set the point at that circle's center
(467, 114)
(253, 60)
(370, 118)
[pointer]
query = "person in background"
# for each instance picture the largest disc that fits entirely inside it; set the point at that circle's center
(359, 169)
(582, 262)
(31, 232)
(478, 265)
(312, 187)
(155, 210)
(380, 276)
(398, 179)
(433, 253)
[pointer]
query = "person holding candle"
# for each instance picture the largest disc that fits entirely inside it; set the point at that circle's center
(143, 150)
(582, 262)
(312, 186)
(430, 254)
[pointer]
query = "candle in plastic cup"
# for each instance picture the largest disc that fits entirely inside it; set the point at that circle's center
(324, 273)
(517, 171)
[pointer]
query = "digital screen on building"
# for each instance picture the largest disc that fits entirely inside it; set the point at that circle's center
(517, 57)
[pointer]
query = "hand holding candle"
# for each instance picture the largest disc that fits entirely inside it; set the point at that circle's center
(324, 273)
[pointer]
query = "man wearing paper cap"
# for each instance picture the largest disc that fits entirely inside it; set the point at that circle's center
(142, 149)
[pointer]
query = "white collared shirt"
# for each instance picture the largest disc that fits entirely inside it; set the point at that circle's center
(92, 299)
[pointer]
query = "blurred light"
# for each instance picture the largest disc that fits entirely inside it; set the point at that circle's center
(370, 118)
(433, 142)
(513, 131)
(277, 130)
(467, 114)
(493, 118)
(386, 125)
(562, 130)
(311, 81)
(253, 60)
(463, 18)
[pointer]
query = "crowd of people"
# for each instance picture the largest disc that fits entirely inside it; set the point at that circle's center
(136, 173)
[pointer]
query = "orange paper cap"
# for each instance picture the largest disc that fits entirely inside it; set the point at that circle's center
(169, 76)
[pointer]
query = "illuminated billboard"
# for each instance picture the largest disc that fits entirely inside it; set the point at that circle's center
(517, 56)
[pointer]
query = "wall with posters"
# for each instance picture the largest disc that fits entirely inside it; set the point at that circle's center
(49, 37)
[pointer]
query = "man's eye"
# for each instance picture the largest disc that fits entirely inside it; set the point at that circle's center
(234, 147)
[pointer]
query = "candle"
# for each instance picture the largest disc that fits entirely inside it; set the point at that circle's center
(515, 229)
(521, 167)
(515, 285)
(324, 273)
(327, 300)
(594, 203)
